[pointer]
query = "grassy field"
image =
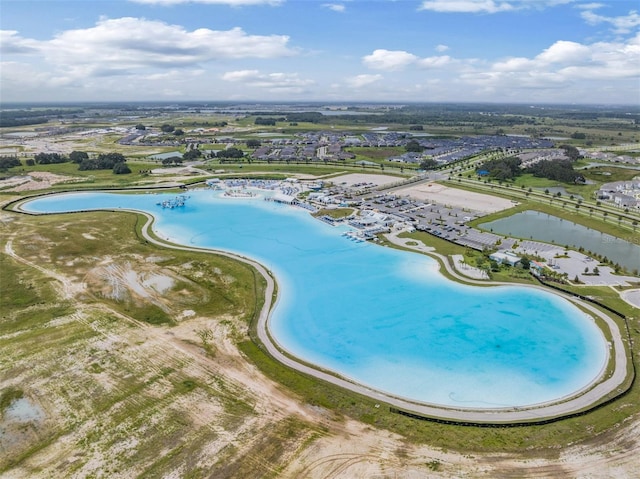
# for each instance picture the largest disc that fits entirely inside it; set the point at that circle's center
(376, 154)
(213, 287)
(287, 169)
(337, 213)
(96, 179)
(171, 383)
(119, 385)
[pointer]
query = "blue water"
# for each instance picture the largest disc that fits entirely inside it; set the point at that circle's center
(383, 317)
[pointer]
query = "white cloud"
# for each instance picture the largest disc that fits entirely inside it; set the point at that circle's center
(590, 6)
(232, 3)
(129, 58)
(397, 60)
(137, 58)
(466, 6)
(435, 62)
(359, 81)
(118, 46)
(290, 82)
(22, 75)
(514, 65)
(572, 67)
(623, 24)
(565, 71)
(241, 75)
(487, 6)
(174, 75)
(336, 7)
(565, 52)
(12, 43)
(389, 60)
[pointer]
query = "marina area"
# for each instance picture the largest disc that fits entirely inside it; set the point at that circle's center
(379, 211)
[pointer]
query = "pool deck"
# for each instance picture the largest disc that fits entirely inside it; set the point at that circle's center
(514, 415)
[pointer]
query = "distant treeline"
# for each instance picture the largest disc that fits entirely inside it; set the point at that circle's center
(104, 161)
(401, 116)
(7, 162)
(447, 114)
(273, 117)
(10, 118)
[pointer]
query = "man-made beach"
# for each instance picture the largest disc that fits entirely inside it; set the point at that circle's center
(290, 295)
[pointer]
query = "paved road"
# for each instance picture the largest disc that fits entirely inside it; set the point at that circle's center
(506, 415)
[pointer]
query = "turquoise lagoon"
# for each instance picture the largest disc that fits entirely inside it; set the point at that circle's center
(384, 318)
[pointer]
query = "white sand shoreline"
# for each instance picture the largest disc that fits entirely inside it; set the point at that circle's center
(581, 400)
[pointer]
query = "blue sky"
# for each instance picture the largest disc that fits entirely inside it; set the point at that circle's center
(525, 51)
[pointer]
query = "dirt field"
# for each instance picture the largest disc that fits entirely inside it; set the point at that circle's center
(109, 395)
(359, 178)
(431, 192)
(434, 192)
(36, 180)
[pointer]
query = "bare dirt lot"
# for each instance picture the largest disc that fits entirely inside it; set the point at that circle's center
(110, 395)
(444, 195)
(36, 180)
(431, 192)
(360, 178)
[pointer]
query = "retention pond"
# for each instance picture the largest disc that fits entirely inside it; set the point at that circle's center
(544, 227)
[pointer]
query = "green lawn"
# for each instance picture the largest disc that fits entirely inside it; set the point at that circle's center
(374, 154)
(337, 213)
(530, 181)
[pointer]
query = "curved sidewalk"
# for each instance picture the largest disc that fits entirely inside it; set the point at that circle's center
(482, 416)
(543, 412)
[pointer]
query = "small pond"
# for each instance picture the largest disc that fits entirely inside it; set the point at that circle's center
(544, 227)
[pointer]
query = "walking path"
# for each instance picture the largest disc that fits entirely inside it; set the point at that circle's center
(583, 399)
(467, 270)
(631, 296)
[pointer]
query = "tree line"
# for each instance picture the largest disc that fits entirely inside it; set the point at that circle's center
(104, 161)
(509, 168)
(10, 118)
(7, 162)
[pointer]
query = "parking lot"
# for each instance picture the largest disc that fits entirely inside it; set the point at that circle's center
(445, 213)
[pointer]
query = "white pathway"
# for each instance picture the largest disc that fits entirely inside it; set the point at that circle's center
(631, 296)
(580, 401)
